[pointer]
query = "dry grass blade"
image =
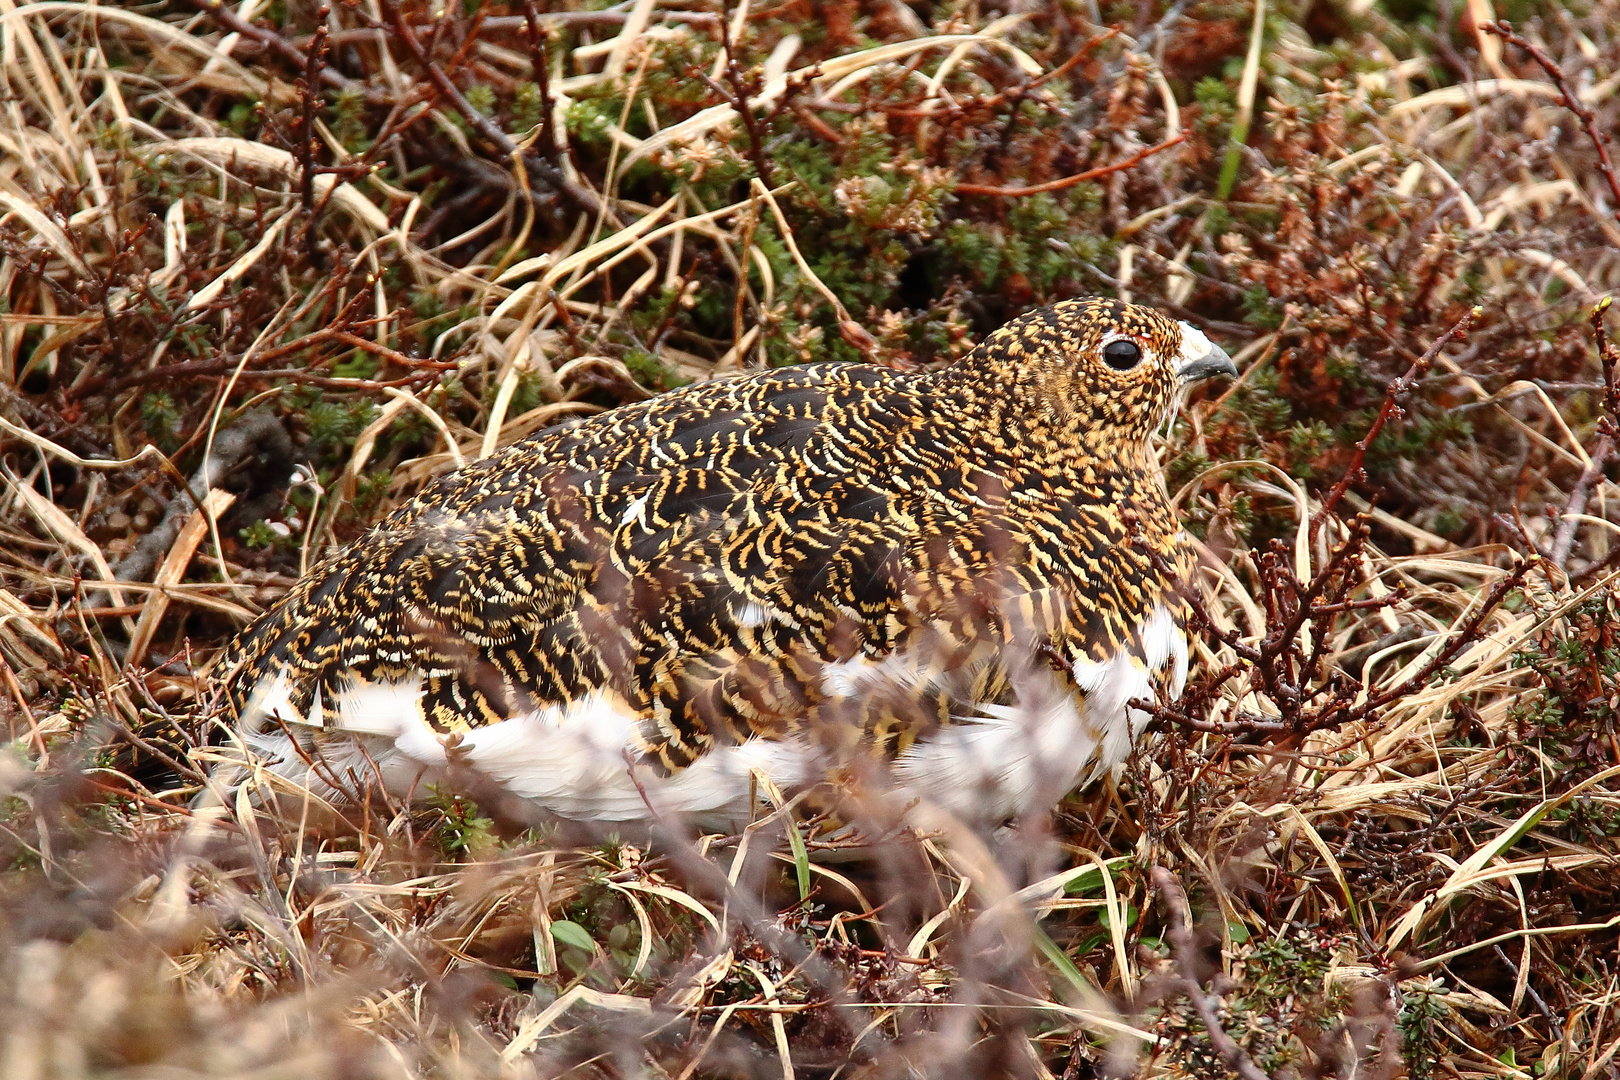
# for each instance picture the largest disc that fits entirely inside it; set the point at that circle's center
(173, 570)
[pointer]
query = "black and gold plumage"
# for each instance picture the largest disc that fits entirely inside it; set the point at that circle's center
(784, 573)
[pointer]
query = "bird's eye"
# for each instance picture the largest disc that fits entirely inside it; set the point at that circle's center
(1122, 355)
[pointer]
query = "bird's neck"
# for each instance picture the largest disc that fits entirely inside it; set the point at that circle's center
(1101, 471)
(1013, 416)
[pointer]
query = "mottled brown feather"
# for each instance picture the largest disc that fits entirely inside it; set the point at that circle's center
(706, 553)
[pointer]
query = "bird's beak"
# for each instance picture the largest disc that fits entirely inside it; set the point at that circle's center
(1201, 357)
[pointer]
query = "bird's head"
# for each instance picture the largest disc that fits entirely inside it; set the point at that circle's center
(1111, 370)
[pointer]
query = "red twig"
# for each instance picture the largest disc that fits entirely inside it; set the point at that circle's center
(193, 369)
(1608, 434)
(537, 165)
(306, 145)
(1077, 178)
(1072, 62)
(283, 48)
(547, 142)
(392, 355)
(1609, 360)
(737, 92)
(1396, 389)
(309, 90)
(1185, 952)
(1504, 30)
(925, 107)
(1564, 536)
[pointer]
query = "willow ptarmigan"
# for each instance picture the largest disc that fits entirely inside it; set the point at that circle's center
(801, 573)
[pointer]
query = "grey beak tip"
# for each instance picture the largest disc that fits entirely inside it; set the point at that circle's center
(1215, 362)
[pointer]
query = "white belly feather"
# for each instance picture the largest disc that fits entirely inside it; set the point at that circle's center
(574, 760)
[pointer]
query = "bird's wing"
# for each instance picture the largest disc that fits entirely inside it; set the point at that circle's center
(635, 552)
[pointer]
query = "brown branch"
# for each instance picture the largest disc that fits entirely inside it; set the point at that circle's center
(1396, 389)
(1608, 433)
(1609, 361)
(596, 18)
(1462, 639)
(391, 355)
(195, 369)
(547, 142)
(1504, 30)
(306, 145)
(1564, 537)
(1077, 178)
(1602, 566)
(736, 93)
(283, 48)
(1185, 953)
(580, 196)
(924, 107)
(1072, 62)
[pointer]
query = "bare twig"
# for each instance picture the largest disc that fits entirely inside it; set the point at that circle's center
(1564, 536)
(1504, 30)
(542, 77)
(1400, 386)
(1603, 452)
(1186, 959)
(306, 145)
(194, 369)
(580, 196)
(283, 48)
(737, 93)
(597, 18)
(1077, 178)
(1609, 361)
(1072, 62)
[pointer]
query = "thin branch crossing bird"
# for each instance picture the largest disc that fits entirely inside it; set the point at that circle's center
(950, 582)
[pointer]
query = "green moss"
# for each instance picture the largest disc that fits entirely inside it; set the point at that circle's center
(259, 535)
(361, 365)
(590, 120)
(243, 118)
(527, 107)
(1305, 443)
(651, 372)
(1449, 522)
(161, 419)
(348, 118)
(481, 96)
(462, 830)
(334, 425)
(1259, 309)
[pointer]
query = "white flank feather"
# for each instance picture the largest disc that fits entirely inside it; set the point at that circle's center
(848, 678)
(1008, 760)
(576, 760)
(378, 708)
(271, 700)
